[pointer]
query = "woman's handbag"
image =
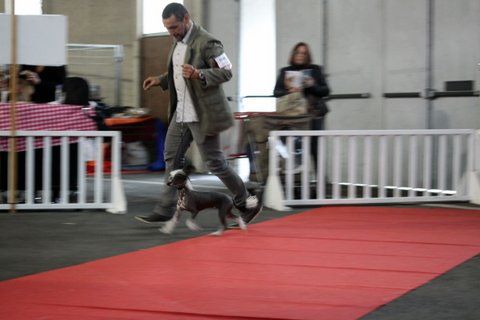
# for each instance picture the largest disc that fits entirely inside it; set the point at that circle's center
(292, 104)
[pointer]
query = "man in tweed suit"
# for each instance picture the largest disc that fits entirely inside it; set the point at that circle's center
(198, 110)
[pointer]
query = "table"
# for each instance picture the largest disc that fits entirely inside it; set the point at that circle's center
(49, 117)
(43, 117)
(141, 128)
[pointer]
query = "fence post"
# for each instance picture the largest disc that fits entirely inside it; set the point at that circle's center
(475, 174)
(118, 195)
(274, 197)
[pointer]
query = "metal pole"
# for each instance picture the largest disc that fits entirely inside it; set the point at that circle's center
(118, 52)
(12, 152)
(429, 64)
(325, 36)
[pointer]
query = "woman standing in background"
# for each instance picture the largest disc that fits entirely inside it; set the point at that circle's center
(312, 84)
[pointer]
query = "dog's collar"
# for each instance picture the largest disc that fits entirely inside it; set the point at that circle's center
(187, 185)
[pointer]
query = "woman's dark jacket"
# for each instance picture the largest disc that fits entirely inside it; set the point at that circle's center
(314, 94)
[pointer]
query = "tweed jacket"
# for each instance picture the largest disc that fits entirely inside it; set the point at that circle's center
(209, 100)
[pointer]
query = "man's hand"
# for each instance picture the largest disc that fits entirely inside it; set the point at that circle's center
(31, 76)
(189, 72)
(150, 82)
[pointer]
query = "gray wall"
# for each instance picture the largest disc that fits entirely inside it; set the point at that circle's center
(222, 18)
(299, 20)
(403, 53)
(456, 54)
(103, 22)
(378, 46)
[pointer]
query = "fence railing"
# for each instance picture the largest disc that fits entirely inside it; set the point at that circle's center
(62, 153)
(371, 166)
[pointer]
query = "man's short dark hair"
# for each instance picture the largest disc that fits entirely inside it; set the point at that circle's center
(176, 9)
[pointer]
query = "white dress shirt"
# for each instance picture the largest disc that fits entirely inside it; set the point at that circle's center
(185, 109)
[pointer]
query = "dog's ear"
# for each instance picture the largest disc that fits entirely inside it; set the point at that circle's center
(189, 169)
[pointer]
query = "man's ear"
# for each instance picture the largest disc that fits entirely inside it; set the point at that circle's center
(186, 19)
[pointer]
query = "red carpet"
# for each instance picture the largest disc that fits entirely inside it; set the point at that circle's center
(328, 263)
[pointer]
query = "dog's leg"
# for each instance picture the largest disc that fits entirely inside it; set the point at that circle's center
(223, 212)
(219, 232)
(170, 224)
(191, 224)
(241, 224)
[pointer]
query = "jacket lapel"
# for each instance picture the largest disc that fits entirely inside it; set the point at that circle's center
(188, 55)
(170, 54)
(191, 39)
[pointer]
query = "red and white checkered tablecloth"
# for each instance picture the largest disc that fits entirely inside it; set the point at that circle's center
(45, 117)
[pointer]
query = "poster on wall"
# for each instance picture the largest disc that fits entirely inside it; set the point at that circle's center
(41, 39)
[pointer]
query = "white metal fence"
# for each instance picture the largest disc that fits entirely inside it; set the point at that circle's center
(94, 192)
(371, 166)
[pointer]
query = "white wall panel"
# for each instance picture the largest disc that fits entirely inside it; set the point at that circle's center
(456, 55)
(456, 113)
(405, 62)
(405, 45)
(355, 62)
(223, 22)
(456, 40)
